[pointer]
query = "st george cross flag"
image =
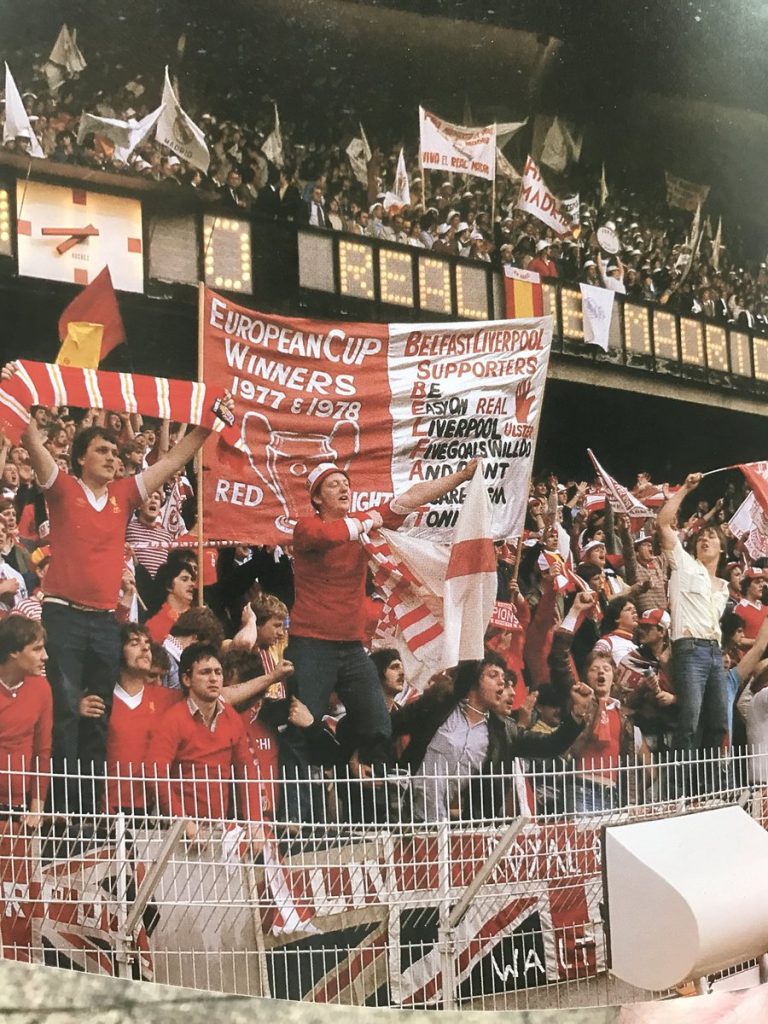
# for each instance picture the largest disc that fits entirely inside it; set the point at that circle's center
(620, 498)
(178, 131)
(597, 309)
(400, 196)
(273, 144)
(65, 59)
(536, 198)
(462, 576)
(17, 124)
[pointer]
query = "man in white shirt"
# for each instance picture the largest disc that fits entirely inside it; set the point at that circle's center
(697, 598)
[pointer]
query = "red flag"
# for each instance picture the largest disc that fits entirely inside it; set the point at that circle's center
(524, 294)
(91, 325)
(756, 474)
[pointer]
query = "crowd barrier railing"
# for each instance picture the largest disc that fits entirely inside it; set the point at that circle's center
(414, 891)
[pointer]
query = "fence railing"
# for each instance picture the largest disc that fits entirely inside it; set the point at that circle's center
(479, 891)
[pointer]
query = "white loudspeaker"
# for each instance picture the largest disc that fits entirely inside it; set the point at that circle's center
(685, 896)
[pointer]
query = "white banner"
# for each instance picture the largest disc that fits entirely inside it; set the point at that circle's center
(597, 308)
(462, 391)
(455, 148)
(685, 194)
(177, 131)
(570, 207)
(536, 198)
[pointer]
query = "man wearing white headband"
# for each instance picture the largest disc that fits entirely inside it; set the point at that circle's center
(328, 618)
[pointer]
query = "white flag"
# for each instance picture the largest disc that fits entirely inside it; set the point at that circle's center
(695, 227)
(536, 198)
(400, 196)
(126, 135)
(597, 308)
(717, 244)
(507, 131)
(504, 168)
(603, 188)
(570, 207)
(462, 576)
(65, 60)
(178, 131)
(359, 153)
(17, 124)
(562, 146)
(273, 144)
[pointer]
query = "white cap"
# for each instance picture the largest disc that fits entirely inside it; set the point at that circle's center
(542, 244)
(319, 473)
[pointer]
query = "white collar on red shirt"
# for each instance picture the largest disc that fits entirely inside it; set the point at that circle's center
(131, 700)
(11, 689)
(96, 503)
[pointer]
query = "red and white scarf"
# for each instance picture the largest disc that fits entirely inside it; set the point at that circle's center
(49, 384)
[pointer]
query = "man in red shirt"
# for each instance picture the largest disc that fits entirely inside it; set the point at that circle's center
(88, 514)
(199, 745)
(137, 706)
(751, 608)
(25, 718)
(328, 616)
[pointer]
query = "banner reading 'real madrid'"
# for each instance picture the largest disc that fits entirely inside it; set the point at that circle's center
(392, 404)
(456, 148)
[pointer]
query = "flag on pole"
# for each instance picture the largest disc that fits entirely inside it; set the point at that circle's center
(400, 196)
(597, 310)
(126, 135)
(537, 199)
(603, 188)
(750, 525)
(273, 144)
(507, 130)
(65, 59)
(176, 130)
(91, 325)
(620, 498)
(562, 147)
(359, 154)
(717, 244)
(17, 124)
(695, 227)
(504, 169)
(523, 292)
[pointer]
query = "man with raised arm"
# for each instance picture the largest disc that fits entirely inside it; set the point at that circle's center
(328, 618)
(697, 598)
(88, 515)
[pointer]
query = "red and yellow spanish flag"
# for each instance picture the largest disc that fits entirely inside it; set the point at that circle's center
(524, 294)
(91, 325)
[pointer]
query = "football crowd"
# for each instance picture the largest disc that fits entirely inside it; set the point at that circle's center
(141, 677)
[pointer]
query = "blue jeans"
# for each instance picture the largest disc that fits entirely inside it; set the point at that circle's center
(320, 667)
(83, 658)
(702, 694)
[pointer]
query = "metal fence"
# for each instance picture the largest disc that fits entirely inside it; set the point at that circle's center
(481, 892)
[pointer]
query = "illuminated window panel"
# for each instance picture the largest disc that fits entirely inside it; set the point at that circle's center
(741, 359)
(637, 333)
(499, 298)
(717, 348)
(573, 321)
(227, 254)
(396, 277)
(761, 358)
(549, 293)
(355, 270)
(5, 224)
(471, 293)
(664, 335)
(692, 342)
(316, 261)
(435, 285)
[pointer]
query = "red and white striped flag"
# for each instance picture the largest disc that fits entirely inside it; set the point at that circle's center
(618, 495)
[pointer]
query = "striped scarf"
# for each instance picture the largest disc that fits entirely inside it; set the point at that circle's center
(49, 384)
(404, 609)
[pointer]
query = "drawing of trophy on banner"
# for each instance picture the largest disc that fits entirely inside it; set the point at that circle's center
(283, 459)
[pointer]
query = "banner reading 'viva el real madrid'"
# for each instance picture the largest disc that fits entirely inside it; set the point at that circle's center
(393, 404)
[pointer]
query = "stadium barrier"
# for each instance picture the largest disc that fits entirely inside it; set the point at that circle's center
(372, 902)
